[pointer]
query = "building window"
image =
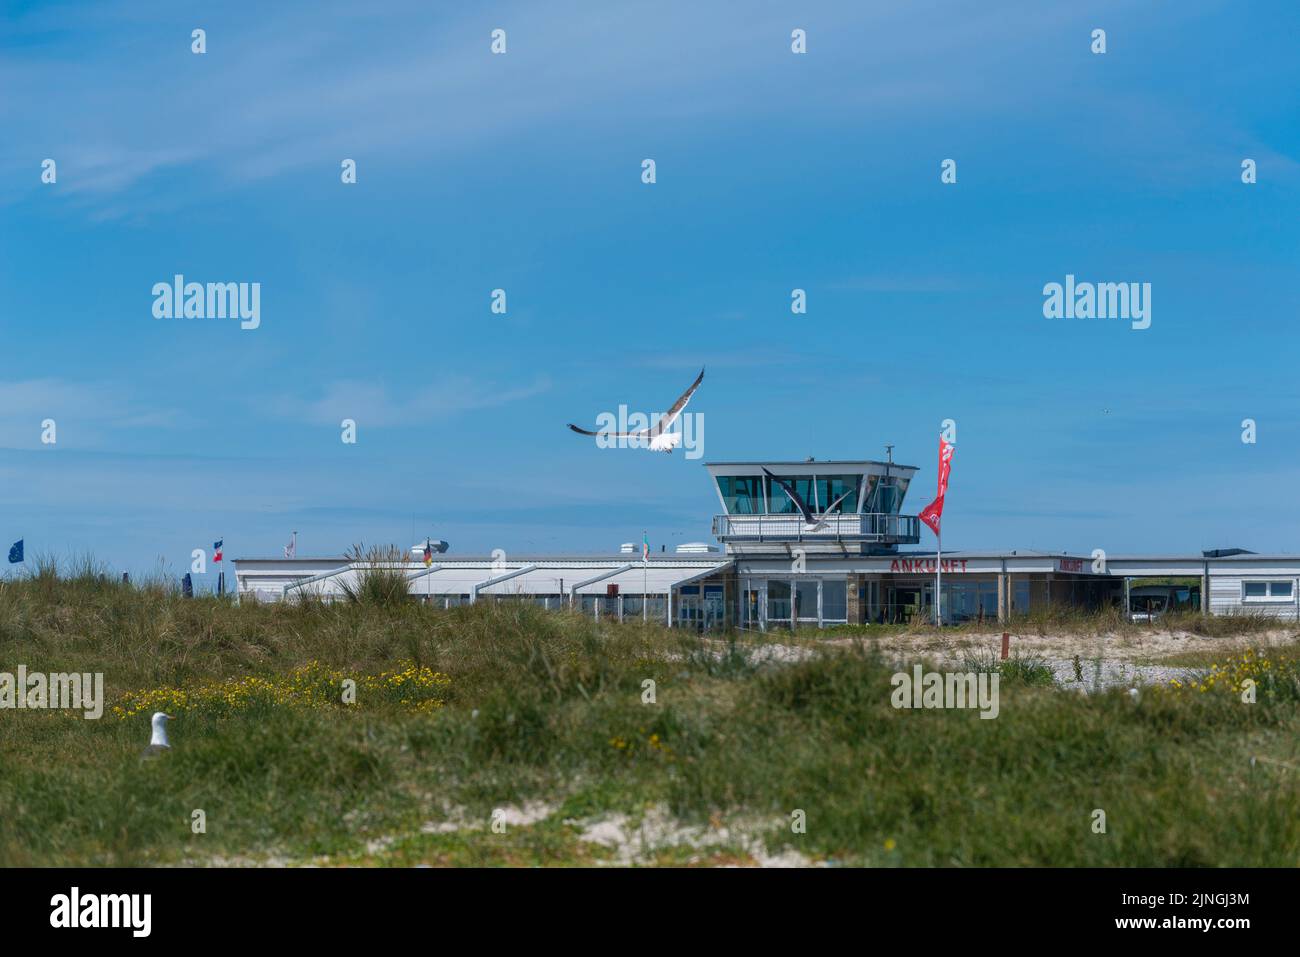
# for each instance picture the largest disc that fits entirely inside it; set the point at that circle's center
(888, 495)
(715, 608)
(868, 491)
(1020, 596)
(749, 605)
(780, 503)
(742, 494)
(778, 600)
(868, 601)
(831, 487)
(805, 595)
(969, 601)
(835, 602)
(1281, 590)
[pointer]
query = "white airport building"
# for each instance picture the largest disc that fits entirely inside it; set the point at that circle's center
(770, 568)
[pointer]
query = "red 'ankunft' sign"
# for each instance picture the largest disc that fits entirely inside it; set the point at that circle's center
(927, 565)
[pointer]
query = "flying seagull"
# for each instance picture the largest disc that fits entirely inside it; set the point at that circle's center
(661, 440)
(800, 504)
(158, 742)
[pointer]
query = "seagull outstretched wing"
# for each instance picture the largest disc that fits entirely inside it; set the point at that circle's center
(831, 507)
(668, 418)
(665, 421)
(794, 497)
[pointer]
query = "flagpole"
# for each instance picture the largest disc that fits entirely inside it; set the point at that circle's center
(938, 580)
(645, 575)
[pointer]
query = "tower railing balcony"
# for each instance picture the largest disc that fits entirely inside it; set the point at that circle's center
(877, 528)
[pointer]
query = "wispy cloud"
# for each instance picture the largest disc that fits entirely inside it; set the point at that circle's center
(84, 413)
(409, 81)
(376, 404)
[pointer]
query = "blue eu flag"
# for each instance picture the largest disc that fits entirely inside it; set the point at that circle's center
(16, 552)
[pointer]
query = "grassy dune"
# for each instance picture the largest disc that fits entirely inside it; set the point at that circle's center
(540, 717)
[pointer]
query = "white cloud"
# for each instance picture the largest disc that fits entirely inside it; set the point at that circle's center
(375, 404)
(302, 86)
(85, 413)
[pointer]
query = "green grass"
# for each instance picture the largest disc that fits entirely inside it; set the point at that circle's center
(380, 578)
(548, 707)
(1022, 669)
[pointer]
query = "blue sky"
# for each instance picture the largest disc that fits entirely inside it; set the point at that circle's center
(522, 172)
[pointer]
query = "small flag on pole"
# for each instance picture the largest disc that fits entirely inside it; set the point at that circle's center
(428, 553)
(216, 549)
(645, 547)
(291, 550)
(16, 552)
(187, 586)
(933, 513)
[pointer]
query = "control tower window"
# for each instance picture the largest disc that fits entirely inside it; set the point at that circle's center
(779, 502)
(741, 494)
(831, 487)
(868, 492)
(902, 484)
(888, 495)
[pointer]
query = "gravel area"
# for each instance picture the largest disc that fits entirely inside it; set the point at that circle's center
(1105, 660)
(1112, 674)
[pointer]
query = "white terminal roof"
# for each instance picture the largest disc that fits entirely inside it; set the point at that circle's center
(655, 580)
(588, 575)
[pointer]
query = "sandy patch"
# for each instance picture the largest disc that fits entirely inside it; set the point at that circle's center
(657, 830)
(531, 813)
(1136, 648)
(1105, 660)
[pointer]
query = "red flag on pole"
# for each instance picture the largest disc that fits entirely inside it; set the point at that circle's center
(933, 512)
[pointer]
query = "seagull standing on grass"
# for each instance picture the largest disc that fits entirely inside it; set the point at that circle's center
(809, 520)
(158, 741)
(661, 440)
